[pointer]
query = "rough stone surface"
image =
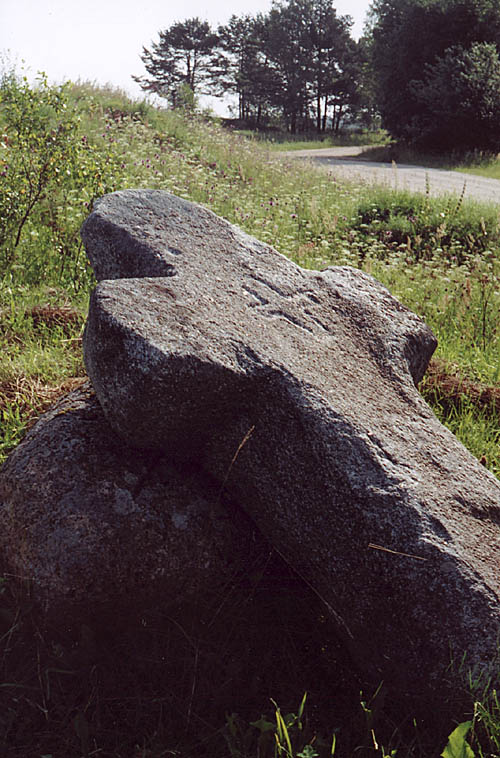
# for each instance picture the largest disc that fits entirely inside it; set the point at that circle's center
(95, 525)
(296, 389)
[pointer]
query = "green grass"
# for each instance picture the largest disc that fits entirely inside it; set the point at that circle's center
(489, 168)
(479, 164)
(281, 141)
(40, 344)
(312, 144)
(440, 257)
(401, 153)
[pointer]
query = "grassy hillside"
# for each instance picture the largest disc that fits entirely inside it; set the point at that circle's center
(60, 149)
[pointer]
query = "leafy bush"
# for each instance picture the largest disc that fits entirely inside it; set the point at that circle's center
(460, 99)
(448, 47)
(51, 174)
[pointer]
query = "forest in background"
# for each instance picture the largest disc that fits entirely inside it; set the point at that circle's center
(426, 70)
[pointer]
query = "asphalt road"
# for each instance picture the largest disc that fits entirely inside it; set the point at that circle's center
(344, 162)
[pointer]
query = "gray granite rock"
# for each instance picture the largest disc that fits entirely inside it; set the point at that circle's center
(95, 526)
(296, 390)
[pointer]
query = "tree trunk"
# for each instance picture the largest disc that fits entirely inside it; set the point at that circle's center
(337, 120)
(334, 116)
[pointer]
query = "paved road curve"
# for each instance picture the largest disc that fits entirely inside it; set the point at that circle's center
(343, 161)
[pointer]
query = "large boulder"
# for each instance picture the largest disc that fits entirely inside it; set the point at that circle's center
(296, 391)
(98, 528)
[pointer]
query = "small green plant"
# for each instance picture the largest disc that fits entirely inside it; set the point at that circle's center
(288, 729)
(287, 736)
(372, 710)
(457, 745)
(424, 226)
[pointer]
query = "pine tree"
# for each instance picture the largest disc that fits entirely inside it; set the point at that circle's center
(183, 57)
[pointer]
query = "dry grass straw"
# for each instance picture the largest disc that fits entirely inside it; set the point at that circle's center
(446, 384)
(32, 396)
(63, 316)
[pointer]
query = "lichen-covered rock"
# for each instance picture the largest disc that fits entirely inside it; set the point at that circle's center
(95, 525)
(295, 389)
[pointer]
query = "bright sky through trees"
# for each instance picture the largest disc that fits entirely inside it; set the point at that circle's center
(101, 40)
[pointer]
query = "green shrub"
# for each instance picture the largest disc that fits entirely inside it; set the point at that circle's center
(424, 225)
(51, 174)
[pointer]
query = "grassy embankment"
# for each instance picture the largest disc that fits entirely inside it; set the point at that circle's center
(440, 257)
(281, 141)
(481, 164)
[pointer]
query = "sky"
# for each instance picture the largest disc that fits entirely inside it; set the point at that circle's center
(101, 40)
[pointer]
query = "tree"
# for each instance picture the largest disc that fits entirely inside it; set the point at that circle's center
(297, 61)
(407, 36)
(184, 55)
(461, 100)
(286, 56)
(363, 101)
(306, 46)
(243, 68)
(331, 48)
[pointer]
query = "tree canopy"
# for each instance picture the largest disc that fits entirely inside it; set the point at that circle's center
(460, 95)
(429, 67)
(308, 48)
(297, 62)
(414, 43)
(183, 57)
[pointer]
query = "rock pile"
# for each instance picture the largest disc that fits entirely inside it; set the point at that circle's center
(99, 526)
(218, 364)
